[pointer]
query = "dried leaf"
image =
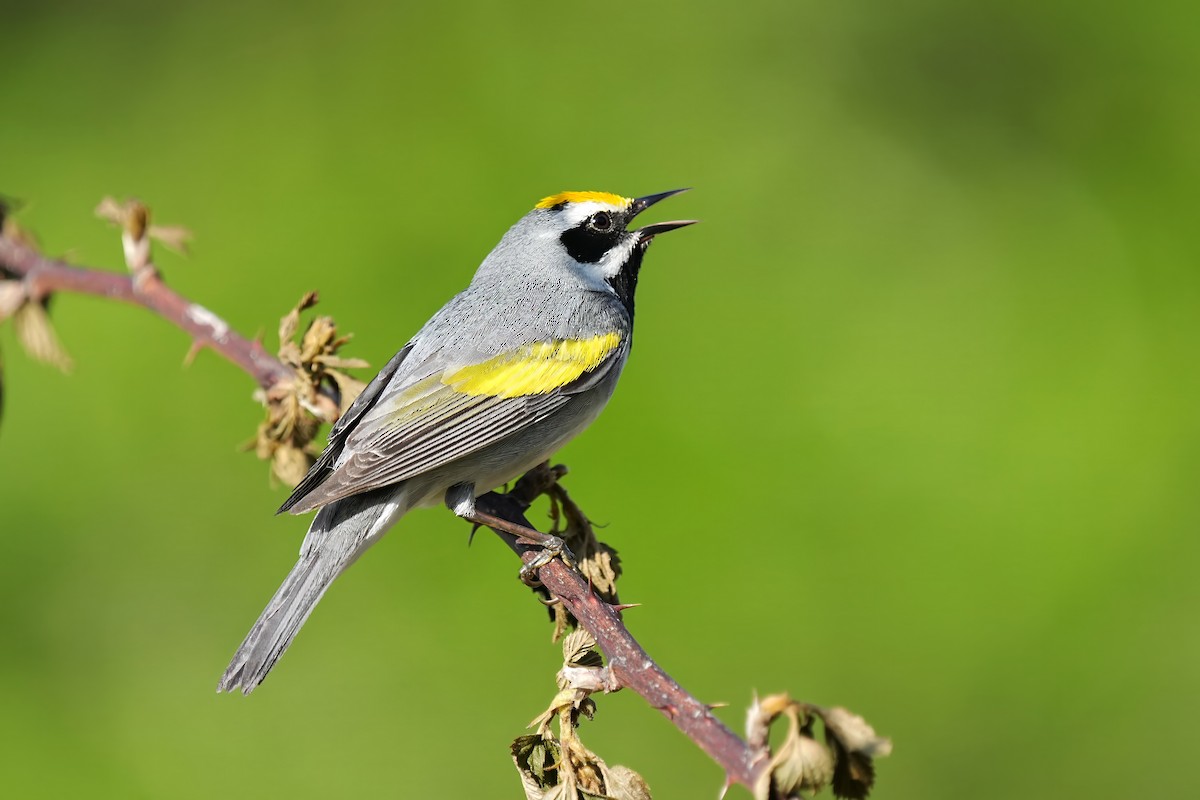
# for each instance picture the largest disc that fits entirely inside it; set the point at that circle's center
(854, 733)
(545, 775)
(562, 619)
(12, 297)
(296, 407)
(587, 707)
(625, 784)
(291, 320)
(854, 744)
(290, 464)
(173, 237)
(588, 774)
(601, 565)
(564, 766)
(579, 650)
(37, 336)
(853, 774)
(537, 761)
(10, 230)
(775, 704)
(338, 362)
(595, 560)
(808, 768)
(131, 215)
(111, 210)
(801, 764)
(348, 388)
(569, 771)
(320, 339)
(566, 699)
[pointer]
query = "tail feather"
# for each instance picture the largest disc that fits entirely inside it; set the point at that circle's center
(339, 534)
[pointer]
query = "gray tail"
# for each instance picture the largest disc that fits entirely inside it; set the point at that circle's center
(339, 534)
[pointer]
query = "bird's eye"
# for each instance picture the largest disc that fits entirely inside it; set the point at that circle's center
(601, 221)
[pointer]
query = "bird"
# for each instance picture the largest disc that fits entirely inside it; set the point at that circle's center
(503, 375)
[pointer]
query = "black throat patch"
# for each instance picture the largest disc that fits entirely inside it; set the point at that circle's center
(624, 283)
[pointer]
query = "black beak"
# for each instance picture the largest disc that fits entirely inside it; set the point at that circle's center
(648, 232)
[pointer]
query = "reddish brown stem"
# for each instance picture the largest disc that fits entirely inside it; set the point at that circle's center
(44, 276)
(633, 667)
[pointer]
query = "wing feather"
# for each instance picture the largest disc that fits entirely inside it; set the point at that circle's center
(440, 417)
(398, 458)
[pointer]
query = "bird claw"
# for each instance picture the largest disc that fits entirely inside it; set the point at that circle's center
(552, 547)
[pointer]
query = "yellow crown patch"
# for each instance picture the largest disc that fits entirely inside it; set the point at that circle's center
(583, 197)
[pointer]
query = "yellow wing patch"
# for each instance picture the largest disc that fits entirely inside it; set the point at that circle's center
(584, 197)
(533, 368)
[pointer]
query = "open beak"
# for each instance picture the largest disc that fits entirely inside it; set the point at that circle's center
(648, 232)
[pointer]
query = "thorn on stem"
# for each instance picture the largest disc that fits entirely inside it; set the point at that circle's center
(192, 352)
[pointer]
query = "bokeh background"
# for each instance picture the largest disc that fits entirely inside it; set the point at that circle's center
(911, 423)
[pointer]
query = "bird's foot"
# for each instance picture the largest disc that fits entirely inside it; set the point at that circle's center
(551, 546)
(497, 512)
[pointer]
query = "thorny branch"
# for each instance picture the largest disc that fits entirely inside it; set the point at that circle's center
(304, 379)
(629, 665)
(301, 388)
(40, 277)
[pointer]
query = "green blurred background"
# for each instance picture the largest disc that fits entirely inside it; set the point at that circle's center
(911, 424)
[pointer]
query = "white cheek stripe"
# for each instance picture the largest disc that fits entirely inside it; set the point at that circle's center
(615, 258)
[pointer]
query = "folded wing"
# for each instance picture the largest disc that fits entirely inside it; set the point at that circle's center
(412, 423)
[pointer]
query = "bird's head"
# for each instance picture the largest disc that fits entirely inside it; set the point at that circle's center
(592, 229)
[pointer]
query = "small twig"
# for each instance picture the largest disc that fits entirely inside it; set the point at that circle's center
(42, 276)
